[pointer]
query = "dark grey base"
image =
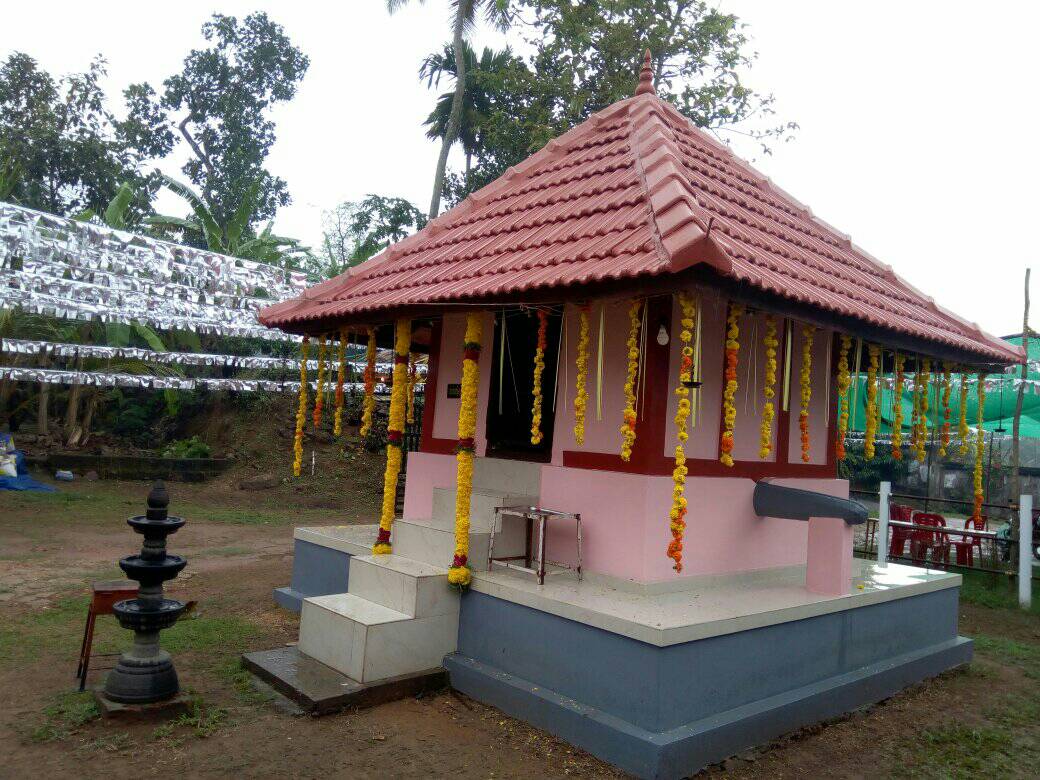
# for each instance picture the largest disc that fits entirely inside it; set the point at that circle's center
(665, 712)
(320, 689)
(317, 571)
(160, 710)
(142, 681)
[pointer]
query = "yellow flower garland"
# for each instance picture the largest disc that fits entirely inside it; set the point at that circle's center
(765, 433)
(897, 408)
(922, 416)
(915, 410)
(729, 392)
(980, 450)
(301, 412)
(369, 404)
(319, 392)
(394, 435)
(412, 381)
(536, 382)
(628, 427)
(871, 424)
(581, 397)
(947, 388)
(962, 423)
(341, 375)
(844, 383)
(459, 573)
(677, 516)
(805, 382)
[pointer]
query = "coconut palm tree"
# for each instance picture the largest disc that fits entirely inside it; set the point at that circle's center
(464, 17)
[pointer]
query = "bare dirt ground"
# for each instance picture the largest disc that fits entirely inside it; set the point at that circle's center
(983, 721)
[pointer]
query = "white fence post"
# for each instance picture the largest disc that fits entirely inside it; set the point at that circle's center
(1025, 551)
(882, 526)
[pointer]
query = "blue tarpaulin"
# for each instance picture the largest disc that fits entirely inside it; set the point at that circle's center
(23, 481)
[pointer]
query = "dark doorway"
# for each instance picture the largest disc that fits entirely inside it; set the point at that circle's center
(512, 379)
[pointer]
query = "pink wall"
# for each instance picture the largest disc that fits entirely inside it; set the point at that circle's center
(426, 471)
(819, 403)
(449, 371)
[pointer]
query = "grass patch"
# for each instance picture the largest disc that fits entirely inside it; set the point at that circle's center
(228, 634)
(241, 680)
(64, 715)
(203, 721)
(1010, 651)
(958, 751)
(996, 591)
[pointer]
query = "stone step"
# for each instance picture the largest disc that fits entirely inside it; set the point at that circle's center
(482, 505)
(368, 641)
(403, 584)
(433, 542)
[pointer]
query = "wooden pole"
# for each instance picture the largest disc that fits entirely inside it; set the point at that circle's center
(1016, 479)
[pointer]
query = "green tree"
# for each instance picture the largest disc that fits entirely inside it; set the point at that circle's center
(219, 107)
(355, 231)
(60, 149)
(464, 17)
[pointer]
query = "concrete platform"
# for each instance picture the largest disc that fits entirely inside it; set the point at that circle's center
(321, 561)
(319, 689)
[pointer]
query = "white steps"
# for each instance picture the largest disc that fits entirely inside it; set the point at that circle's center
(402, 584)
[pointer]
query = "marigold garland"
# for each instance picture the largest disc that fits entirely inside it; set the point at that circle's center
(628, 427)
(897, 408)
(536, 382)
(341, 375)
(871, 424)
(805, 383)
(962, 423)
(765, 432)
(319, 391)
(368, 406)
(394, 434)
(844, 383)
(677, 516)
(729, 392)
(922, 416)
(947, 388)
(581, 397)
(915, 410)
(301, 412)
(413, 373)
(459, 573)
(980, 449)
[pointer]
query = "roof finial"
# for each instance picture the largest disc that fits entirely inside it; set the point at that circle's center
(646, 77)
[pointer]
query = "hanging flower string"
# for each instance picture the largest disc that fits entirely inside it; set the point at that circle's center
(341, 375)
(729, 392)
(581, 396)
(677, 515)
(915, 413)
(897, 408)
(536, 382)
(963, 431)
(369, 404)
(412, 374)
(922, 413)
(319, 393)
(947, 388)
(394, 435)
(980, 449)
(628, 427)
(459, 573)
(844, 382)
(765, 433)
(805, 382)
(871, 424)
(301, 411)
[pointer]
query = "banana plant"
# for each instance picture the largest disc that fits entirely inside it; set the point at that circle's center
(115, 211)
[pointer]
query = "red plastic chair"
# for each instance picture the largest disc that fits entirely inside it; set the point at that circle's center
(900, 536)
(966, 544)
(929, 544)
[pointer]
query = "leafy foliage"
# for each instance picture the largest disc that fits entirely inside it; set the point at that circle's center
(187, 448)
(355, 231)
(218, 105)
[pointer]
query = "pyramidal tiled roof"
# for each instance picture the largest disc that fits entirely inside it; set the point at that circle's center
(635, 191)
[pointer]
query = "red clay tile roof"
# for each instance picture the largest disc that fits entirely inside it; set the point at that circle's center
(635, 191)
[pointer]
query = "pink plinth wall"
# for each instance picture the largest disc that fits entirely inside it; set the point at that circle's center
(829, 566)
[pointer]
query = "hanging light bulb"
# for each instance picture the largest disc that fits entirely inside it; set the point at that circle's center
(662, 335)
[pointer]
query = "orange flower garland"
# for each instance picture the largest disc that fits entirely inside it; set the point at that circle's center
(394, 435)
(729, 392)
(805, 382)
(319, 392)
(947, 388)
(459, 574)
(844, 383)
(628, 427)
(341, 375)
(922, 415)
(369, 404)
(301, 412)
(897, 408)
(765, 433)
(980, 450)
(581, 396)
(915, 414)
(536, 383)
(962, 423)
(677, 515)
(871, 424)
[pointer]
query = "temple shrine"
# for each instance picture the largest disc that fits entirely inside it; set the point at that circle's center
(639, 367)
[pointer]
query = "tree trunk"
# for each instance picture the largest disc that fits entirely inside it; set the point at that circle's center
(455, 117)
(72, 409)
(43, 404)
(7, 387)
(1016, 479)
(88, 415)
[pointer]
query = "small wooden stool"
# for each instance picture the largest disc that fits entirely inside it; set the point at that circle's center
(103, 595)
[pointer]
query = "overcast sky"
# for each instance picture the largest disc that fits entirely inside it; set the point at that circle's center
(918, 119)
